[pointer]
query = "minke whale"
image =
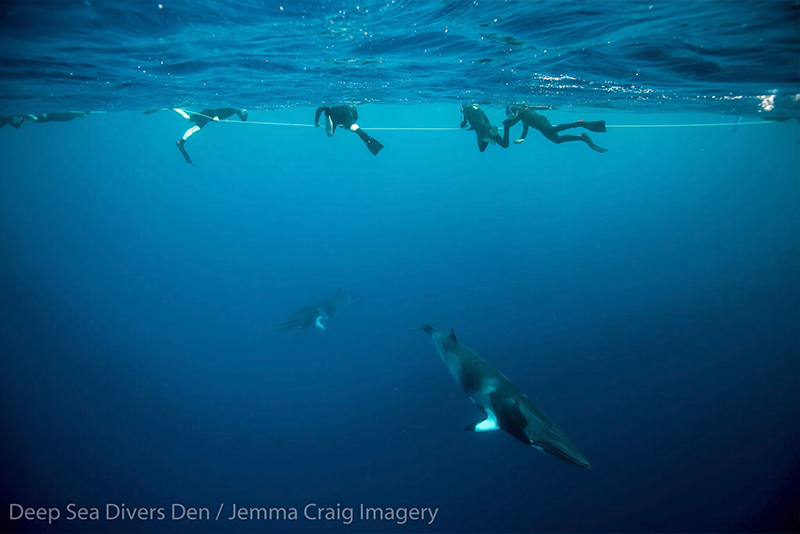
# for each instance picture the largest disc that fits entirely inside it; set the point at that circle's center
(502, 403)
(317, 312)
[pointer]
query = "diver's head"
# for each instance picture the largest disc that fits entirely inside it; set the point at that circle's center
(513, 111)
(555, 443)
(464, 109)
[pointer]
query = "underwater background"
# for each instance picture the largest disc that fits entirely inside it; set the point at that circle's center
(646, 299)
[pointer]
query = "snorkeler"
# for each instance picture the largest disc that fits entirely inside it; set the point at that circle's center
(13, 120)
(479, 122)
(200, 120)
(532, 119)
(346, 117)
(56, 117)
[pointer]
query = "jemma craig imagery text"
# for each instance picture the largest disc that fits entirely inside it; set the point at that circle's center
(233, 512)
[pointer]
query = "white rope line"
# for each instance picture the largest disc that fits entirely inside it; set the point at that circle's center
(269, 123)
(417, 129)
(396, 129)
(444, 129)
(697, 125)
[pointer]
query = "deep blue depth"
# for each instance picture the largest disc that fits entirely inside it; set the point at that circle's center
(646, 299)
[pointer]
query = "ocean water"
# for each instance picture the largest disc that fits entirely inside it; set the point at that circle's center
(647, 299)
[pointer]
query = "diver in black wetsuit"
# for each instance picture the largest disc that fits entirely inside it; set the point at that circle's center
(200, 120)
(346, 117)
(56, 117)
(13, 120)
(479, 122)
(532, 119)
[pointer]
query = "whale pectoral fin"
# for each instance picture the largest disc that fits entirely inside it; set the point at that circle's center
(484, 425)
(319, 323)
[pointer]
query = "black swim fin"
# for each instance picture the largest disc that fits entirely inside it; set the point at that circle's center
(372, 144)
(597, 126)
(183, 151)
(592, 145)
(490, 137)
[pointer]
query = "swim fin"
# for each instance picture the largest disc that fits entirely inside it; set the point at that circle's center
(183, 151)
(592, 145)
(372, 144)
(490, 137)
(597, 126)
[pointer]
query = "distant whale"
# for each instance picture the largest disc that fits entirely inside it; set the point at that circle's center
(315, 313)
(503, 404)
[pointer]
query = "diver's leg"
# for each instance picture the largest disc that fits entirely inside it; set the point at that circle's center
(506, 129)
(566, 126)
(190, 132)
(181, 113)
(565, 138)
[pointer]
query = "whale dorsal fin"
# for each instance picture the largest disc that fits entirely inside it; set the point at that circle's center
(453, 336)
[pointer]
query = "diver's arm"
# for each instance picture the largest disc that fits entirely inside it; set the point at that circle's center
(319, 113)
(463, 117)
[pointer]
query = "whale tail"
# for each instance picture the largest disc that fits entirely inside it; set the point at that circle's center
(427, 327)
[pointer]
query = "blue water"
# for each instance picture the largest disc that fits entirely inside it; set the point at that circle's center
(646, 299)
